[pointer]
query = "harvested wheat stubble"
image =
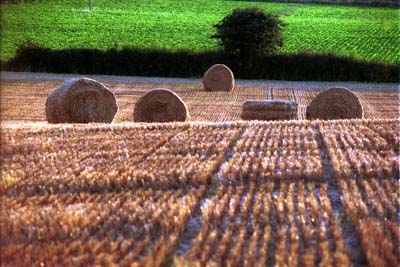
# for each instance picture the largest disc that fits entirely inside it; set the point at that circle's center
(277, 109)
(160, 105)
(218, 78)
(123, 194)
(335, 103)
(81, 101)
(255, 225)
(203, 105)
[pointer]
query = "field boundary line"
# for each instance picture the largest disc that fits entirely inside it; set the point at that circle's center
(189, 235)
(352, 242)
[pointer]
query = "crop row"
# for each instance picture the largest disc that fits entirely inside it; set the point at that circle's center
(371, 198)
(93, 160)
(388, 103)
(367, 153)
(373, 206)
(255, 225)
(366, 149)
(66, 159)
(124, 194)
(284, 151)
(97, 159)
(340, 40)
(133, 228)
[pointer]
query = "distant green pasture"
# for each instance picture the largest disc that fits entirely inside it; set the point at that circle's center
(366, 33)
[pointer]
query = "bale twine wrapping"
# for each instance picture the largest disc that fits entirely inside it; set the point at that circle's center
(218, 78)
(160, 105)
(276, 109)
(335, 103)
(81, 100)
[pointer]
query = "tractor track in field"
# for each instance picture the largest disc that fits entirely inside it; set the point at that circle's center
(194, 225)
(353, 244)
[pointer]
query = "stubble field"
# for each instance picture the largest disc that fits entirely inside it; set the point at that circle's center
(212, 192)
(23, 100)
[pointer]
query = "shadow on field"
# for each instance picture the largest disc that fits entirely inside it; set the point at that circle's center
(163, 63)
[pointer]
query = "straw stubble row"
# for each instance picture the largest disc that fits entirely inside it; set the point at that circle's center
(257, 225)
(133, 228)
(271, 196)
(94, 160)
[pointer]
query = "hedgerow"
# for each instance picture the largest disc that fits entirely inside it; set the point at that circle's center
(154, 62)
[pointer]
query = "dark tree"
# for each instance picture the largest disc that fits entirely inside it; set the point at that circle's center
(249, 32)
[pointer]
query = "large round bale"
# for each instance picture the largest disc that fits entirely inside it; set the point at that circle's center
(81, 100)
(160, 105)
(335, 103)
(218, 78)
(276, 109)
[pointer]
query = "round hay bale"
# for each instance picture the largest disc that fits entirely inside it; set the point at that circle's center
(335, 103)
(218, 78)
(81, 100)
(160, 105)
(276, 109)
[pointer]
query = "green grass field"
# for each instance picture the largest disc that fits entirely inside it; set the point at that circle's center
(366, 33)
